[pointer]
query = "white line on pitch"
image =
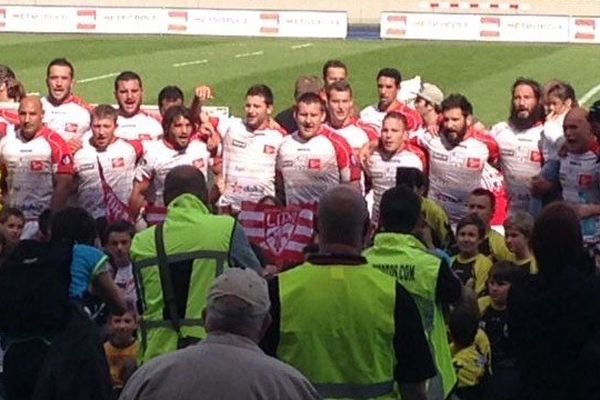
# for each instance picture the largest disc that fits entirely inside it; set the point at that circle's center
(302, 46)
(590, 93)
(97, 78)
(256, 53)
(183, 64)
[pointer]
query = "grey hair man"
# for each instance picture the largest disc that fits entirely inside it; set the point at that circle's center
(228, 364)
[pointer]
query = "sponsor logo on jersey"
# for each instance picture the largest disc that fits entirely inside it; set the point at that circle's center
(86, 167)
(439, 156)
(507, 152)
(66, 159)
(144, 136)
(586, 180)
(71, 127)
(287, 164)
(269, 149)
(473, 163)
(238, 143)
(314, 163)
(118, 162)
(36, 165)
(535, 156)
(199, 163)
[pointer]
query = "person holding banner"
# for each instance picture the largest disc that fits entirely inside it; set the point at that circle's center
(178, 147)
(105, 168)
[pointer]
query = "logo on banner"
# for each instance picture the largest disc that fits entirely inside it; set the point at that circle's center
(279, 228)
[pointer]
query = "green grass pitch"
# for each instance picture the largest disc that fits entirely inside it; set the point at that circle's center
(481, 71)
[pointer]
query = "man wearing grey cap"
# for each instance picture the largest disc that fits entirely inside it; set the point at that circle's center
(228, 364)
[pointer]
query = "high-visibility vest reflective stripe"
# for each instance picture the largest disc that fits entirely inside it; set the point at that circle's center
(344, 314)
(354, 391)
(407, 259)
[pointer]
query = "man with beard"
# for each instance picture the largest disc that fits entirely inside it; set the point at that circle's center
(314, 158)
(64, 113)
(178, 147)
(388, 86)
(519, 140)
(133, 123)
(457, 157)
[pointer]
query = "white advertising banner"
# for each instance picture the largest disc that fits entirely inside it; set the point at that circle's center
(174, 21)
(585, 30)
(480, 27)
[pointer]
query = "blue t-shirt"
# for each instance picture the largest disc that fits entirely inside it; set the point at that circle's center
(88, 262)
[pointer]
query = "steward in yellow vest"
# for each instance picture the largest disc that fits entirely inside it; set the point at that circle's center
(353, 331)
(175, 263)
(400, 254)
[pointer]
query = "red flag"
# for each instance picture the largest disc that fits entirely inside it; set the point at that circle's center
(282, 232)
(115, 208)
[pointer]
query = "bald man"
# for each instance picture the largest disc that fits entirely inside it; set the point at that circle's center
(176, 261)
(38, 165)
(349, 328)
(579, 174)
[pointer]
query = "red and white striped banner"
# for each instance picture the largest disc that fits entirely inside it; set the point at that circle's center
(282, 232)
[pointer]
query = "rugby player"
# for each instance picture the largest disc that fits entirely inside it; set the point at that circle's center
(334, 71)
(388, 86)
(313, 158)
(38, 165)
(133, 123)
(117, 158)
(519, 140)
(64, 112)
(178, 147)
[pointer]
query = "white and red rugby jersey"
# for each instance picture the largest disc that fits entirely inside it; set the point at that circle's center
(30, 167)
(357, 133)
(520, 160)
(580, 180)
(310, 167)
(70, 119)
(118, 162)
(455, 171)
(160, 157)
(249, 160)
(382, 171)
(141, 126)
(374, 117)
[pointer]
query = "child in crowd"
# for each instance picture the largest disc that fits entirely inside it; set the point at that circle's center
(469, 264)
(517, 230)
(12, 221)
(494, 321)
(470, 351)
(122, 348)
(117, 243)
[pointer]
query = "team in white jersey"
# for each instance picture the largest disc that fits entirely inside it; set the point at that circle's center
(313, 158)
(38, 164)
(133, 123)
(178, 147)
(250, 150)
(105, 160)
(393, 152)
(520, 140)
